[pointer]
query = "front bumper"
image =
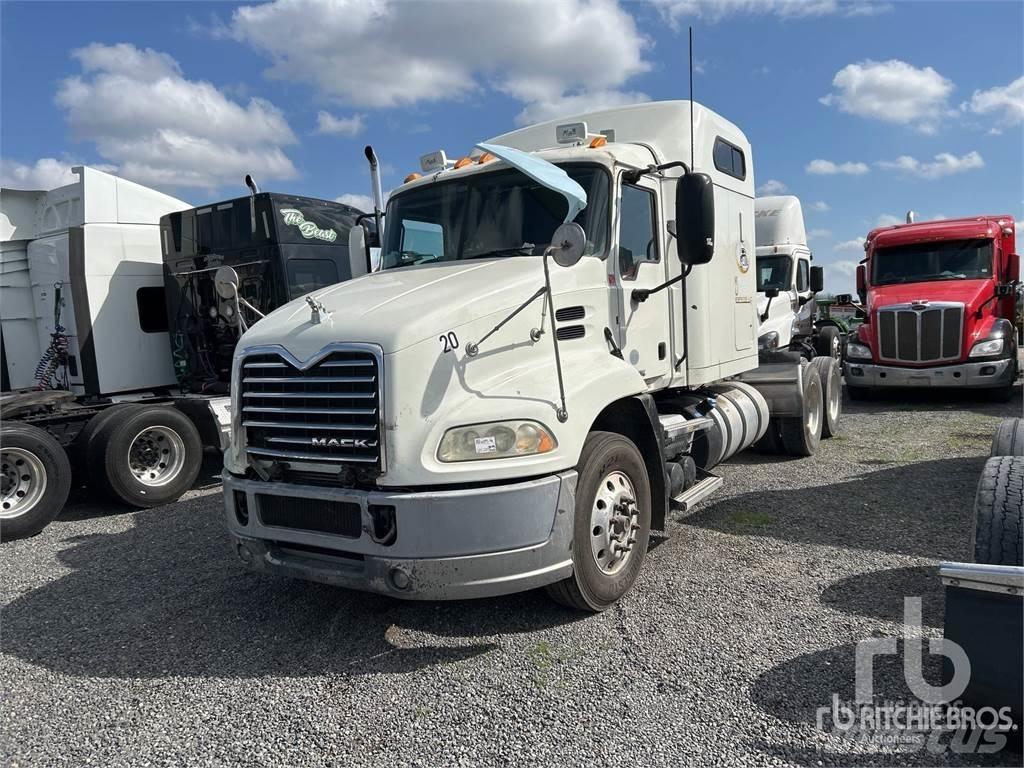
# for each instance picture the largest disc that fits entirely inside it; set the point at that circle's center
(477, 542)
(989, 374)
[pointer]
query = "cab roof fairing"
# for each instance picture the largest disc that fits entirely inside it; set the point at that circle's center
(967, 228)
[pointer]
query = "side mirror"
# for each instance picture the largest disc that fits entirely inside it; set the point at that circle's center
(358, 251)
(695, 219)
(817, 279)
(226, 282)
(771, 293)
(567, 244)
(862, 290)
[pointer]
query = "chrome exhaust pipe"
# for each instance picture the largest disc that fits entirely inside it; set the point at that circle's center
(253, 191)
(378, 192)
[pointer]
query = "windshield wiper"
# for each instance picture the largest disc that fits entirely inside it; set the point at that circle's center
(515, 251)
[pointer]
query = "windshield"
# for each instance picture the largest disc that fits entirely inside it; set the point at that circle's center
(918, 262)
(773, 272)
(489, 215)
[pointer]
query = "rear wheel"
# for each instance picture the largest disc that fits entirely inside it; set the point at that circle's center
(999, 512)
(801, 434)
(147, 456)
(35, 479)
(611, 526)
(832, 394)
(1009, 438)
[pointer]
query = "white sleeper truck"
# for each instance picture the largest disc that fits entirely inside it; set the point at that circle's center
(558, 348)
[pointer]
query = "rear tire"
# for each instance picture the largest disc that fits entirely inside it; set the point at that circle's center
(828, 342)
(611, 470)
(801, 434)
(831, 392)
(84, 443)
(146, 456)
(999, 512)
(36, 480)
(1009, 438)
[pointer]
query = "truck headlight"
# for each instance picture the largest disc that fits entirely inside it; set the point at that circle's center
(768, 342)
(858, 351)
(987, 348)
(495, 440)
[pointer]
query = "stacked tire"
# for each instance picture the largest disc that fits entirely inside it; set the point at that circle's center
(999, 502)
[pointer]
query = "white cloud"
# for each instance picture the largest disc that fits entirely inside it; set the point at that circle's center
(716, 10)
(819, 234)
(944, 164)
(892, 92)
(45, 173)
(340, 126)
(856, 244)
(888, 220)
(845, 267)
(363, 202)
(539, 111)
(820, 206)
(539, 53)
(162, 129)
(1005, 104)
(772, 187)
(828, 168)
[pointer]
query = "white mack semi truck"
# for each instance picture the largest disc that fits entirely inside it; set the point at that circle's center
(560, 344)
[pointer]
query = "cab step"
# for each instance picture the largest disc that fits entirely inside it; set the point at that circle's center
(696, 493)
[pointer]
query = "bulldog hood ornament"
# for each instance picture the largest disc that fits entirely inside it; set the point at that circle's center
(318, 311)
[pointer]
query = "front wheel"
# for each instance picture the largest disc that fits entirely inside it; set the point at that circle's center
(611, 526)
(35, 480)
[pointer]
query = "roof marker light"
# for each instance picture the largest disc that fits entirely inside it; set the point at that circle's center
(412, 177)
(486, 157)
(462, 162)
(599, 141)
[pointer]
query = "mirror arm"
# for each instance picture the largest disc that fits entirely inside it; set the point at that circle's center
(640, 295)
(473, 349)
(632, 177)
(767, 309)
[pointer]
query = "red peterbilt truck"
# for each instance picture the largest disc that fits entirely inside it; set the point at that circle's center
(940, 301)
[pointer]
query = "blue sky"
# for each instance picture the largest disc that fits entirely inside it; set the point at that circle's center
(862, 109)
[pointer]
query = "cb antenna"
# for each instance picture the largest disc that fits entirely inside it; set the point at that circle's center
(691, 98)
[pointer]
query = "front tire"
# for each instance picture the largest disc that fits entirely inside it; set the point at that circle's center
(35, 480)
(146, 456)
(611, 525)
(1009, 438)
(832, 394)
(828, 342)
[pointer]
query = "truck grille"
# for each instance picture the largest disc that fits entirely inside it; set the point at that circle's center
(920, 333)
(328, 412)
(338, 517)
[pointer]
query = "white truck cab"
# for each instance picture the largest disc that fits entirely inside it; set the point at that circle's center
(537, 372)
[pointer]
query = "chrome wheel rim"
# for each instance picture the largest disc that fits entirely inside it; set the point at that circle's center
(22, 482)
(614, 521)
(833, 395)
(813, 417)
(836, 348)
(156, 456)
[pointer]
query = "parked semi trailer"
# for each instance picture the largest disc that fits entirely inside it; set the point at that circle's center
(116, 344)
(560, 346)
(939, 301)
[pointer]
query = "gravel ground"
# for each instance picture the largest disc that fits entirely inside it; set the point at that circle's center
(135, 638)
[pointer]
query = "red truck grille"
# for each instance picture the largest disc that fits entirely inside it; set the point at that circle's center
(920, 333)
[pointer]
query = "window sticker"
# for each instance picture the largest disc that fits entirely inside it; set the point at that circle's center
(294, 218)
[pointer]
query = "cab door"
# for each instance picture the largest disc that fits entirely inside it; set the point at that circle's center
(637, 261)
(803, 302)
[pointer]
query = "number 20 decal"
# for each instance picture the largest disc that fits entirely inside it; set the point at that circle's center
(449, 341)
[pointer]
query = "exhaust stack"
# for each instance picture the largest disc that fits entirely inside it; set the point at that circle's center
(253, 191)
(910, 217)
(378, 194)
